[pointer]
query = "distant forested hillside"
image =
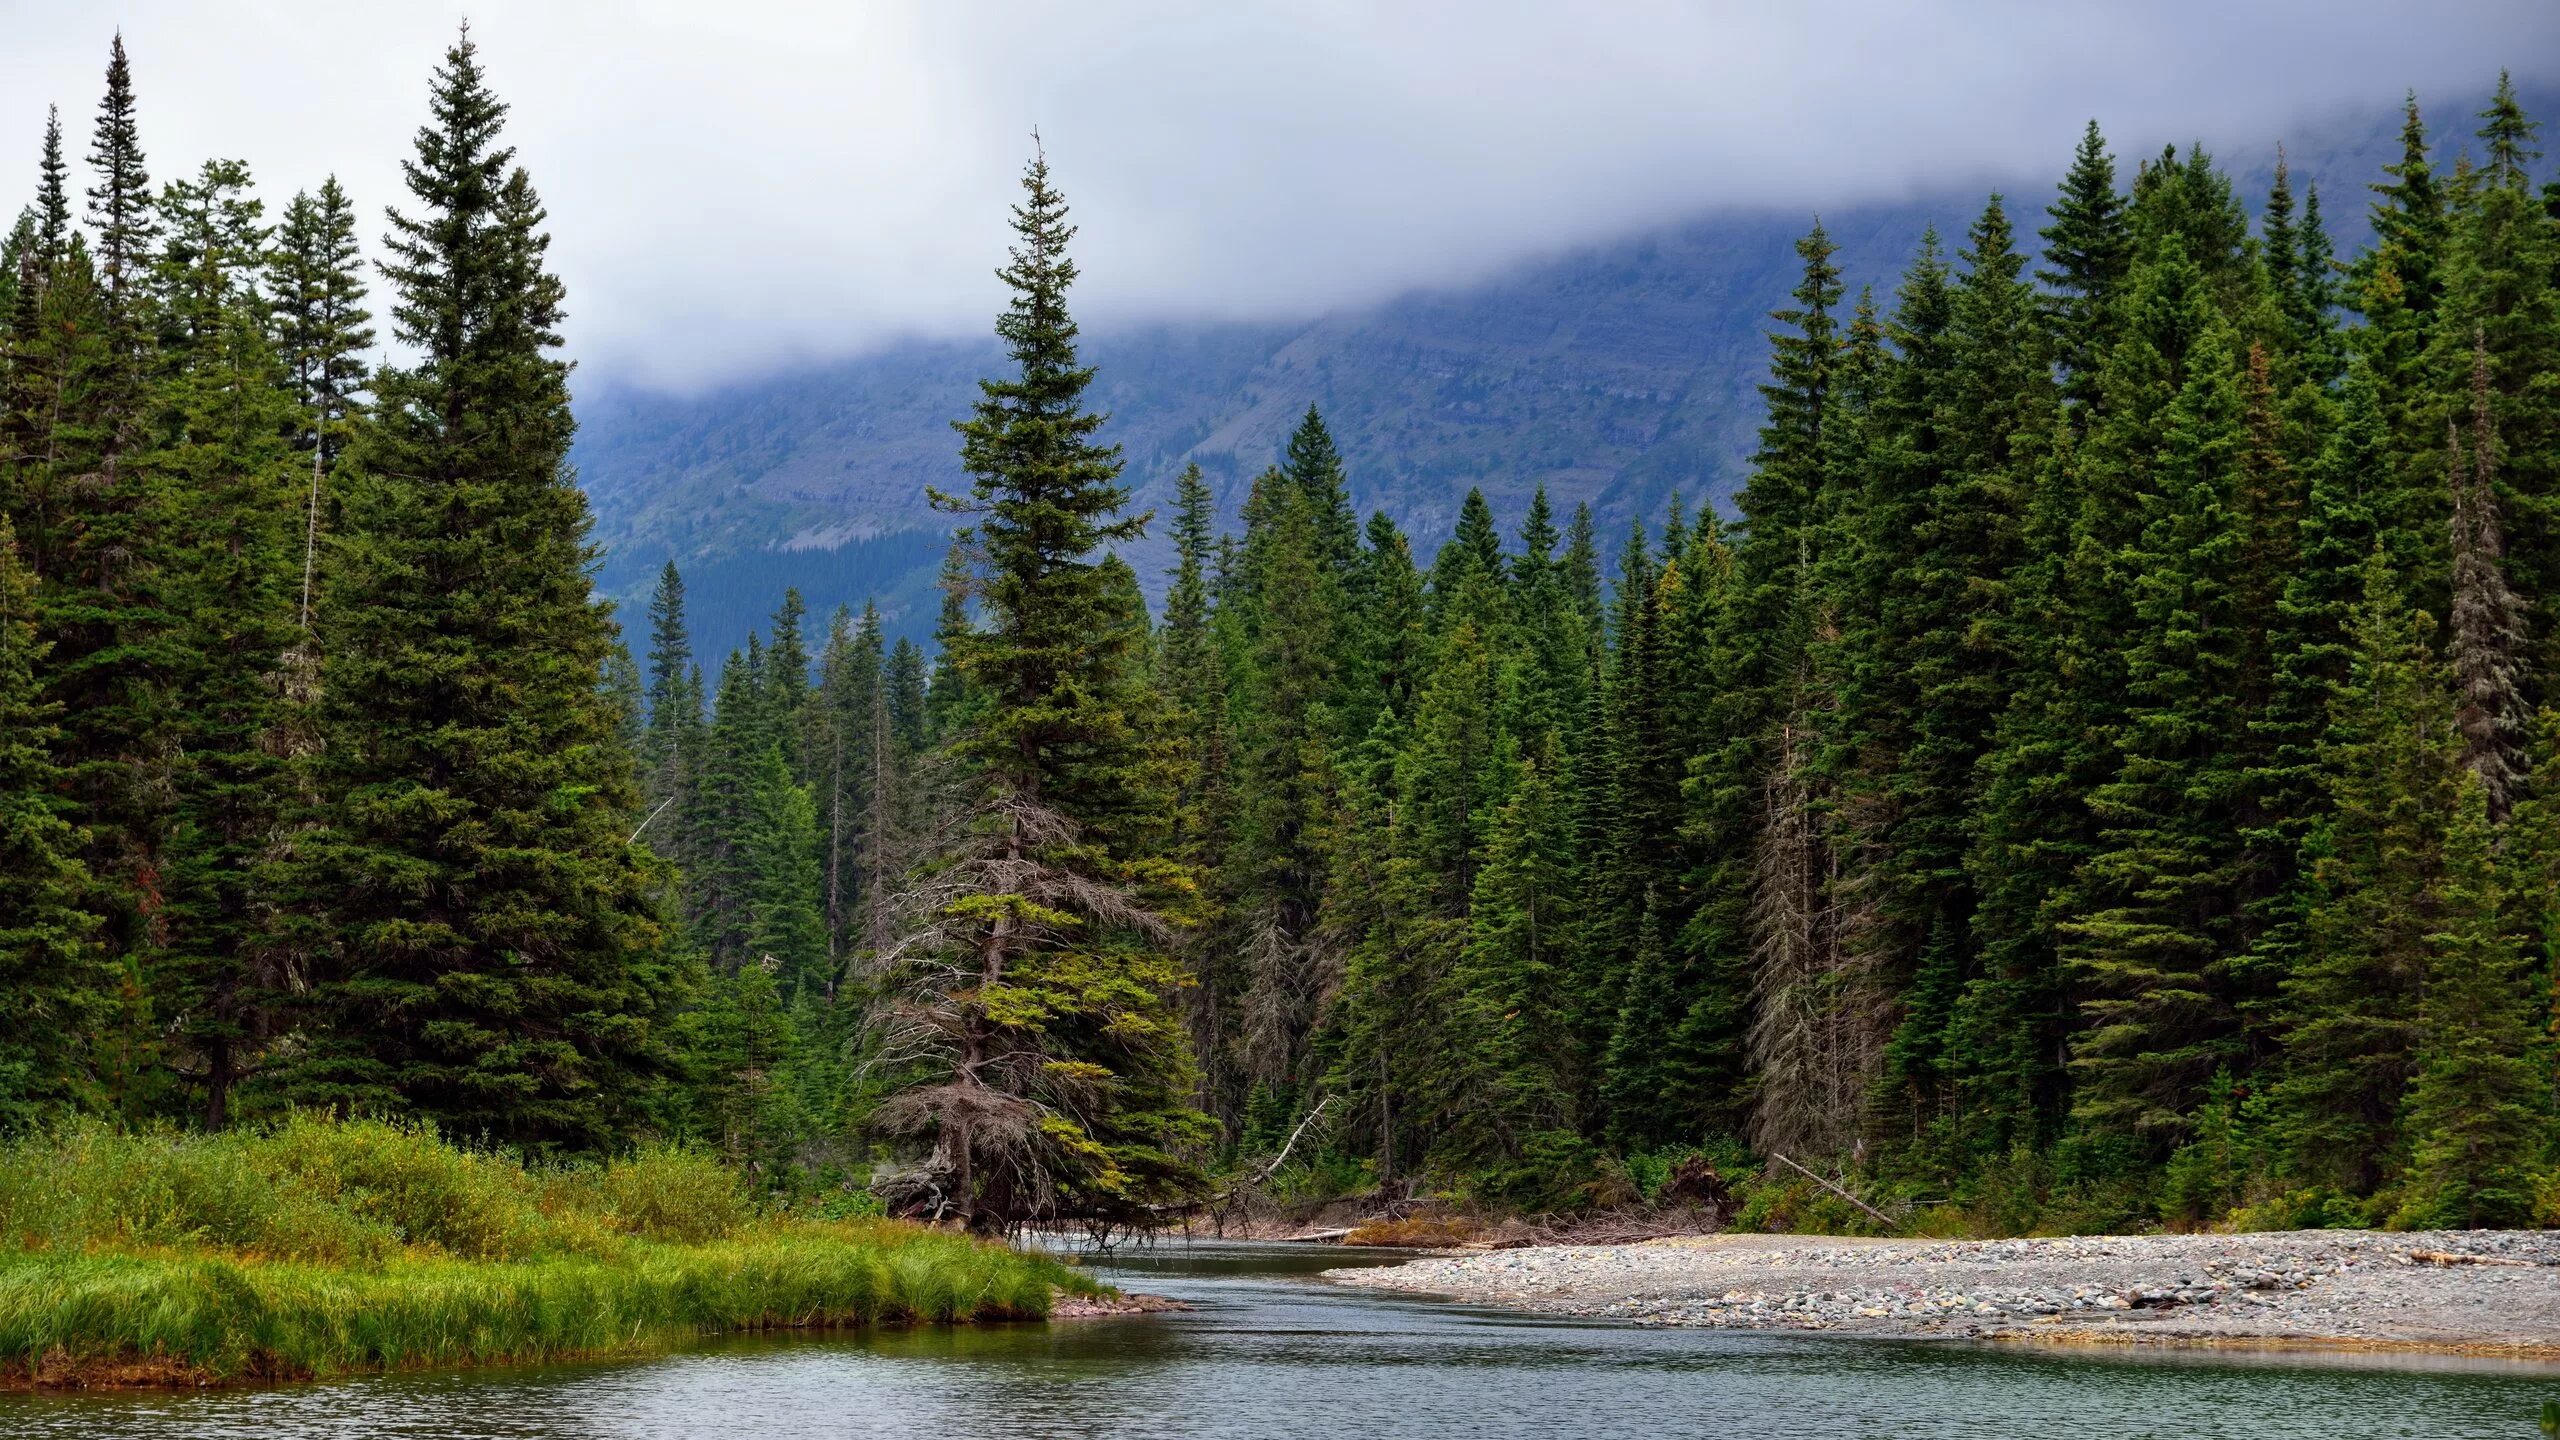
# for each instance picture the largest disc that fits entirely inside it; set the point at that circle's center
(1615, 375)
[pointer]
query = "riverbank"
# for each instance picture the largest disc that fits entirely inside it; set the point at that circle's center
(320, 1249)
(2476, 1292)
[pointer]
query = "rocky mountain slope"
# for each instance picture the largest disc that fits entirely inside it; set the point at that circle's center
(1618, 374)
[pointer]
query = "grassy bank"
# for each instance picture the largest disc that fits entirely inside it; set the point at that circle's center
(318, 1248)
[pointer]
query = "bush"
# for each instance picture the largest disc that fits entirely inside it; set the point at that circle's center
(663, 1194)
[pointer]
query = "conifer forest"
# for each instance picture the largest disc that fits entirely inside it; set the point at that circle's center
(2101, 770)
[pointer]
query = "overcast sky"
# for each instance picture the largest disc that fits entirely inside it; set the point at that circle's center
(741, 184)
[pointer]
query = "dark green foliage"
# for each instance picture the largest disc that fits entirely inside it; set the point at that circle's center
(2043, 789)
(478, 927)
(1050, 1074)
(316, 294)
(225, 418)
(2372, 876)
(120, 208)
(2161, 892)
(48, 971)
(2088, 252)
(2480, 1107)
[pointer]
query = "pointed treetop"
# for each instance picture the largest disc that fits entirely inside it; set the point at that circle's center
(2509, 136)
(53, 204)
(120, 203)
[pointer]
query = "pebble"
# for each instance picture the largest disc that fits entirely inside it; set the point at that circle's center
(2323, 1283)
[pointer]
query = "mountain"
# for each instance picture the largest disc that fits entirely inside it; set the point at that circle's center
(1620, 374)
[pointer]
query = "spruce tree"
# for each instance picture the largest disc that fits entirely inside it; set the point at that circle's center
(1056, 1079)
(485, 952)
(321, 327)
(786, 679)
(53, 201)
(120, 207)
(785, 931)
(1315, 467)
(2151, 940)
(2088, 252)
(2030, 822)
(225, 417)
(1192, 675)
(2496, 348)
(674, 702)
(1284, 778)
(2479, 1112)
(2372, 874)
(1520, 929)
(51, 984)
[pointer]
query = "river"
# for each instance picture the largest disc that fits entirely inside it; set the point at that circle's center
(1273, 1352)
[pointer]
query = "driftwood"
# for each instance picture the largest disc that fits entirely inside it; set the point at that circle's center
(1836, 1190)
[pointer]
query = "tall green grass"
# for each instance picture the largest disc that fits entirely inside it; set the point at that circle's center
(315, 1248)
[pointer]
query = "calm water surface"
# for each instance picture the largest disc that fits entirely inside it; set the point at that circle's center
(1273, 1352)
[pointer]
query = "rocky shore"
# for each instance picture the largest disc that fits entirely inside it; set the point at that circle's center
(2483, 1292)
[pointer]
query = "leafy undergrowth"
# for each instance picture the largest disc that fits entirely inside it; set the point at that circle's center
(317, 1248)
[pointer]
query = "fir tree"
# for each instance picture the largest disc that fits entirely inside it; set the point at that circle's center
(487, 951)
(50, 980)
(1059, 1081)
(321, 332)
(2088, 251)
(2479, 1110)
(2373, 868)
(227, 416)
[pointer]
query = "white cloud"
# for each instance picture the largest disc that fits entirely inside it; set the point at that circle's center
(736, 184)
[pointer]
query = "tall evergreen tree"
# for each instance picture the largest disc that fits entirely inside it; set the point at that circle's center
(2373, 872)
(2480, 1108)
(322, 330)
(674, 701)
(2088, 251)
(226, 416)
(50, 980)
(1058, 1080)
(485, 946)
(2151, 944)
(53, 201)
(120, 206)
(1315, 467)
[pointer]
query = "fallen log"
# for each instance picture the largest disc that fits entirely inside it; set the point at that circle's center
(1834, 1189)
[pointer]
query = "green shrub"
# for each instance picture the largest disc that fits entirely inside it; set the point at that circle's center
(664, 1193)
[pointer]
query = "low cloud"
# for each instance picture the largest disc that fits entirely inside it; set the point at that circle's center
(742, 185)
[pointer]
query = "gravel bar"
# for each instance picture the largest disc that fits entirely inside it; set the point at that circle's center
(2478, 1291)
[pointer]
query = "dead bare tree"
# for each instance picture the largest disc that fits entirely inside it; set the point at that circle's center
(1815, 1036)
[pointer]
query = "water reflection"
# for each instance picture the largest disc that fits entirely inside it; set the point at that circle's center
(1273, 1352)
